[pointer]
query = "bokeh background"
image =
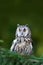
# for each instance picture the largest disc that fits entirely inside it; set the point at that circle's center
(24, 12)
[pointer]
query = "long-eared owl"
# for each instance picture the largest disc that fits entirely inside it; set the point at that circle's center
(23, 42)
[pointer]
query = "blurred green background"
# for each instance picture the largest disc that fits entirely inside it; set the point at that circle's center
(28, 12)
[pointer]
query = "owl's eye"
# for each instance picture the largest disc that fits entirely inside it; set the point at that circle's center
(24, 30)
(19, 29)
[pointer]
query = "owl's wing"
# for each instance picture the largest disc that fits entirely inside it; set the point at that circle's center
(31, 48)
(13, 44)
(31, 45)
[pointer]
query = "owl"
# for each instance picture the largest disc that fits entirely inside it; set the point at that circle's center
(23, 42)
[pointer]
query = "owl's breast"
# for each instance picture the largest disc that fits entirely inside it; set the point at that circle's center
(21, 44)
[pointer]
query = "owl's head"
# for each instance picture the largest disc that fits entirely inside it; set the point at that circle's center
(23, 31)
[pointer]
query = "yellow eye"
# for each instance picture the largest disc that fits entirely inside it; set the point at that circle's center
(24, 30)
(19, 29)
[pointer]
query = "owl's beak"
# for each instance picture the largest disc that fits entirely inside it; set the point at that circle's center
(22, 35)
